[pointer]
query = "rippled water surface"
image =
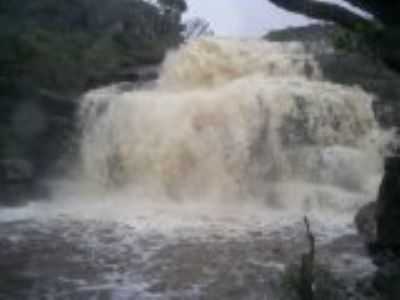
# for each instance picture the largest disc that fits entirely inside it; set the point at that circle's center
(180, 253)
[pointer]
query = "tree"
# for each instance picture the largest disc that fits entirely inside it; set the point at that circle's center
(176, 5)
(197, 27)
(378, 24)
(52, 51)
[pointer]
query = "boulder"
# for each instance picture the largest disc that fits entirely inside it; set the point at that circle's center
(388, 206)
(387, 280)
(16, 181)
(365, 222)
(385, 250)
(15, 171)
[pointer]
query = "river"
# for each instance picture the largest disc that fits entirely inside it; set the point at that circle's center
(195, 186)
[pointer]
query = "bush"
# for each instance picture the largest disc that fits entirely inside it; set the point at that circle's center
(62, 48)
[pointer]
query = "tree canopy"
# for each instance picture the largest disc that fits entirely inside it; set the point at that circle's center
(52, 51)
(178, 5)
(378, 22)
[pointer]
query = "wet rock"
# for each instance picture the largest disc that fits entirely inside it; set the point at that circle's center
(378, 223)
(16, 180)
(387, 280)
(365, 222)
(388, 206)
(15, 171)
(385, 251)
(316, 37)
(348, 68)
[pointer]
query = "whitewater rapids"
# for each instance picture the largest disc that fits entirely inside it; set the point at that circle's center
(194, 186)
(235, 121)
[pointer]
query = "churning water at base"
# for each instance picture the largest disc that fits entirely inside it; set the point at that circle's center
(194, 186)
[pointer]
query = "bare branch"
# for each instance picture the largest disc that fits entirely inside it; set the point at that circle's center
(325, 11)
(310, 236)
(305, 288)
(384, 11)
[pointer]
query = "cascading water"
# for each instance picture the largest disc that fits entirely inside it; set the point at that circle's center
(194, 186)
(235, 121)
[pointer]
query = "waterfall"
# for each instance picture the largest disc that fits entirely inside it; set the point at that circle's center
(195, 186)
(235, 121)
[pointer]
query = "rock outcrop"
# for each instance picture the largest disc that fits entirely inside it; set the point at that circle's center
(52, 52)
(349, 68)
(378, 222)
(388, 207)
(16, 178)
(365, 221)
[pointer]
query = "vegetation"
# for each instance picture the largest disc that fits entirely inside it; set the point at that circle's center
(375, 29)
(197, 27)
(51, 51)
(377, 24)
(69, 45)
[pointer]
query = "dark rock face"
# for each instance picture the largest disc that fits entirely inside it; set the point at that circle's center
(387, 278)
(384, 217)
(379, 222)
(352, 69)
(15, 171)
(388, 207)
(52, 52)
(365, 222)
(349, 68)
(315, 37)
(382, 244)
(16, 178)
(386, 281)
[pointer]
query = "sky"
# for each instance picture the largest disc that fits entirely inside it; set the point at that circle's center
(243, 18)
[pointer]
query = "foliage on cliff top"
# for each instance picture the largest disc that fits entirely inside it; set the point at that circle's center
(69, 45)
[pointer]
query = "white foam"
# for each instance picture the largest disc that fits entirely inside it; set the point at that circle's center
(230, 122)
